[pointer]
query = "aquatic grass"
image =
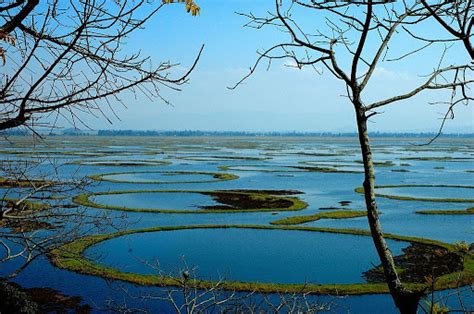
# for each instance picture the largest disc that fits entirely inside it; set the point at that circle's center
(301, 154)
(26, 206)
(288, 168)
(219, 158)
(260, 168)
(387, 163)
(360, 189)
(326, 169)
(339, 214)
(17, 183)
(218, 176)
(121, 163)
(52, 152)
(467, 211)
(70, 256)
(447, 159)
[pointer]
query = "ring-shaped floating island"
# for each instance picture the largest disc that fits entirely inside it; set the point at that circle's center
(122, 163)
(53, 153)
(331, 166)
(425, 199)
(226, 201)
(459, 264)
(221, 158)
(20, 183)
(439, 159)
(285, 169)
(313, 154)
(337, 214)
(260, 168)
(467, 211)
(209, 177)
(19, 215)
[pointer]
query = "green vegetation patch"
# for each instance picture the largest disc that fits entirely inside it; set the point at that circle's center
(26, 225)
(387, 163)
(70, 256)
(302, 154)
(230, 201)
(121, 163)
(261, 168)
(219, 158)
(16, 217)
(420, 261)
(330, 166)
(53, 153)
(283, 169)
(216, 177)
(447, 159)
(426, 199)
(327, 169)
(467, 211)
(19, 183)
(339, 214)
(25, 207)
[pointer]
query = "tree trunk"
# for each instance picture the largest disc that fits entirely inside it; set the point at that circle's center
(405, 300)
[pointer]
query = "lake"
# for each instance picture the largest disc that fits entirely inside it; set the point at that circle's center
(177, 172)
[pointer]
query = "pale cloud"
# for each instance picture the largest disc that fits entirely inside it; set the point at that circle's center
(386, 74)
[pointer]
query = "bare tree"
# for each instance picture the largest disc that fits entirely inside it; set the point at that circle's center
(340, 44)
(62, 59)
(37, 215)
(65, 57)
(183, 297)
(456, 17)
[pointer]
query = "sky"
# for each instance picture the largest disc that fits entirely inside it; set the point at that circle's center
(280, 98)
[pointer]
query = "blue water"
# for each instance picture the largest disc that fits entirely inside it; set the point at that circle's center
(275, 256)
(238, 254)
(162, 200)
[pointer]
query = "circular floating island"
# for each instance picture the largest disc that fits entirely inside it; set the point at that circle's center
(286, 168)
(52, 153)
(184, 201)
(221, 158)
(425, 192)
(163, 177)
(261, 168)
(467, 211)
(332, 166)
(122, 163)
(257, 258)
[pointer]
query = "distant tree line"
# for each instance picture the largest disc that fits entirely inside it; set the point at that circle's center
(191, 133)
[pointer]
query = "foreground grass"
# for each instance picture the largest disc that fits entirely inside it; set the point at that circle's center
(70, 256)
(340, 214)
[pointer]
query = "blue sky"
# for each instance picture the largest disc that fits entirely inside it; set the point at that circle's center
(280, 99)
